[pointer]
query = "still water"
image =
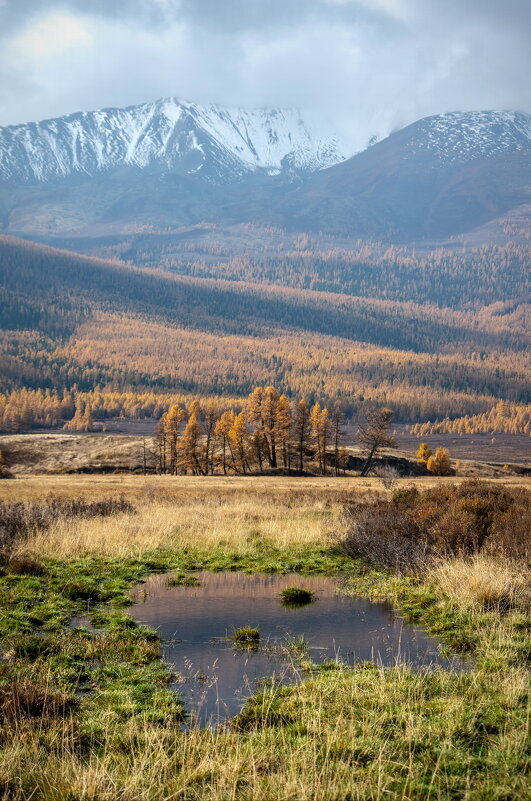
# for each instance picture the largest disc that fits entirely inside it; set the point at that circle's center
(214, 677)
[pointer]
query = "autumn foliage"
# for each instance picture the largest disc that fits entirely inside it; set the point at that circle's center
(270, 432)
(413, 528)
(76, 330)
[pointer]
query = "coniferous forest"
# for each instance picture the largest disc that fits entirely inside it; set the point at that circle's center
(128, 341)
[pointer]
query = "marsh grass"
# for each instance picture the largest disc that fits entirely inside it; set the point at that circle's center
(183, 580)
(245, 637)
(88, 715)
(296, 596)
(237, 525)
(483, 582)
(19, 520)
(371, 734)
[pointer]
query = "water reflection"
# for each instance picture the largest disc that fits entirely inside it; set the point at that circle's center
(214, 677)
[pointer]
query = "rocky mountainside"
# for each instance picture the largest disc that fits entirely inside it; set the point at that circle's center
(168, 164)
(167, 135)
(462, 137)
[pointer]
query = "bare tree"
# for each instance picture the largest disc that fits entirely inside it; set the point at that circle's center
(388, 475)
(301, 431)
(375, 432)
(338, 432)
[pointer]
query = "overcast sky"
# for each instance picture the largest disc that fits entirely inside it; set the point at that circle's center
(365, 66)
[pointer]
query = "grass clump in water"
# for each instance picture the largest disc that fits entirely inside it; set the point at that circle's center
(183, 580)
(246, 637)
(296, 596)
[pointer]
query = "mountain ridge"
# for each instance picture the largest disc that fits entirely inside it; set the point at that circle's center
(171, 134)
(174, 164)
(439, 176)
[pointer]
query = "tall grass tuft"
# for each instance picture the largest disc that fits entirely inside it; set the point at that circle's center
(483, 582)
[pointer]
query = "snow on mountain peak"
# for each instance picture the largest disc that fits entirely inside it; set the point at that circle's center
(168, 134)
(459, 137)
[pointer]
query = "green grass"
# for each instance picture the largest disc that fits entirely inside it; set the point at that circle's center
(183, 580)
(95, 718)
(245, 637)
(296, 596)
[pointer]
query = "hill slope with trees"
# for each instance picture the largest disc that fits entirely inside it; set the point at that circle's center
(73, 324)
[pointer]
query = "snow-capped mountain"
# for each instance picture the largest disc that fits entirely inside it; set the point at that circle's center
(168, 135)
(461, 137)
(169, 164)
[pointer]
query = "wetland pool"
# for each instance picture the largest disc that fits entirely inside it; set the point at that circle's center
(214, 677)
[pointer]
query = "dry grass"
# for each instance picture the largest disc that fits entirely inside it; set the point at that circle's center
(140, 488)
(483, 582)
(60, 452)
(366, 734)
(357, 736)
(177, 512)
(206, 522)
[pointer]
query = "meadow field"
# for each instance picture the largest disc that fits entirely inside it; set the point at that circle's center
(86, 710)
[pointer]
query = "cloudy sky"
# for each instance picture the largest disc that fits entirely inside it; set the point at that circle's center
(364, 66)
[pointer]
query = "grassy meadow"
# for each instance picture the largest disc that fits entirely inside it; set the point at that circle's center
(86, 713)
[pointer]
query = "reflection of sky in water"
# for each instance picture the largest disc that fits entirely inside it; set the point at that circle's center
(215, 677)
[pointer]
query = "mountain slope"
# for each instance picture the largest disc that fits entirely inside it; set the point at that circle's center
(463, 137)
(440, 176)
(167, 135)
(70, 321)
(165, 165)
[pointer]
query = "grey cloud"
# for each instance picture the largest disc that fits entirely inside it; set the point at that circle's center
(239, 16)
(355, 63)
(15, 14)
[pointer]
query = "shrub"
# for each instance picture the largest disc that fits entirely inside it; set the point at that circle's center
(388, 476)
(382, 533)
(413, 528)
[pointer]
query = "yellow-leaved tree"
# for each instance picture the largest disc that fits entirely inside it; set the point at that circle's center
(424, 452)
(439, 464)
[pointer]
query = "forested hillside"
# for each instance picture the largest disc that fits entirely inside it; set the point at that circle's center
(73, 324)
(454, 275)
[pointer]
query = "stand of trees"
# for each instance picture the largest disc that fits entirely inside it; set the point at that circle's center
(456, 277)
(270, 432)
(503, 418)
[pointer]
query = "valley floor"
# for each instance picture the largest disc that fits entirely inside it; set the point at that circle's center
(29, 487)
(53, 452)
